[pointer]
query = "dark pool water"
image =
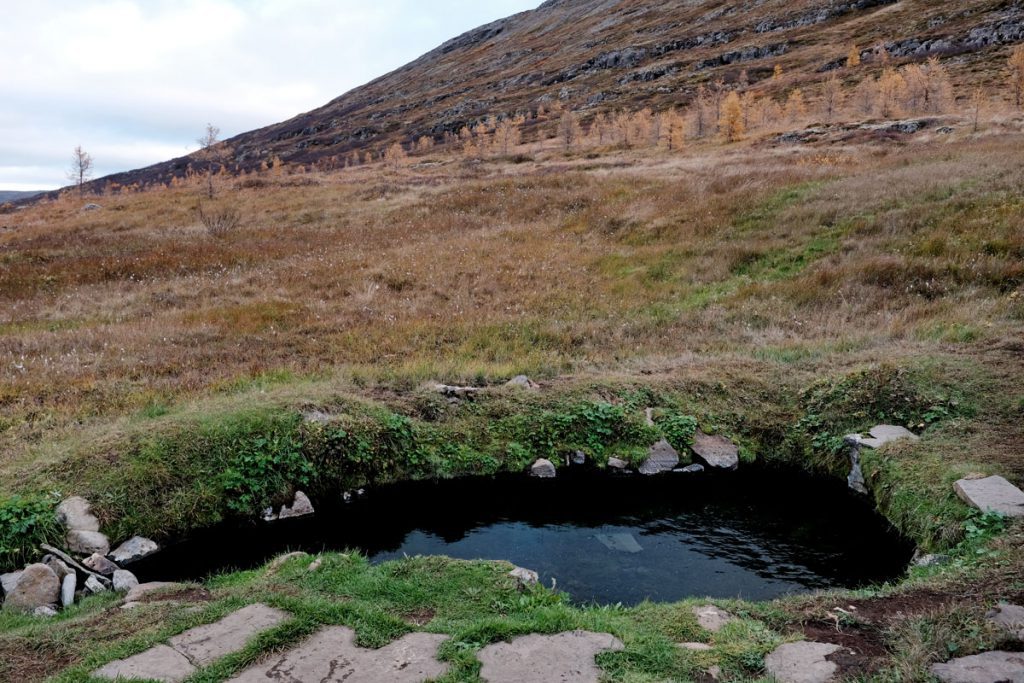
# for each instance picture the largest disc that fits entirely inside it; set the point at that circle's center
(755, 534)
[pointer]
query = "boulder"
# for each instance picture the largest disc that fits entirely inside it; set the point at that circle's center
(300, 507)
(617, 464)
(578, 458)
(133, 550)
(8, 582)
(75, 513)
(57, 565)
(67, 590)
(988, 667)
(543, 469)
(87, 542)
(716, 451)
(37, 586)
(124, 581)
(525, 577)
(100, 564)
(522, 382)
(1009, 618)
(712, 618)
(661, 457)
(883, 434)
(992, 494)
(803, 662)
(934, 560)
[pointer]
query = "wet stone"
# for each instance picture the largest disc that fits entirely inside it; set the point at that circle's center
(565, 657)
(803, 662)
(332, 656)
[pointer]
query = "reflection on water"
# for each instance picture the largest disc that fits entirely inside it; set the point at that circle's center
(755, 534)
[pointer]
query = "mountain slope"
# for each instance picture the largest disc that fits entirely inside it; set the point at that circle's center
(606, 54)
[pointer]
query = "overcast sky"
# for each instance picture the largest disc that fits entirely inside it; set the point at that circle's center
(135, 81)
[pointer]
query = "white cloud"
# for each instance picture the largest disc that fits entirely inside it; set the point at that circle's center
(135, 81)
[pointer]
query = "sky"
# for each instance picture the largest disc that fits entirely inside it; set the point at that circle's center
(135, 82)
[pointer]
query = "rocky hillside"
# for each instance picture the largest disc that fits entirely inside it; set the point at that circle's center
(609, 54)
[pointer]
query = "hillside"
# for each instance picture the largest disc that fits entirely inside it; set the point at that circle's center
(595, 55)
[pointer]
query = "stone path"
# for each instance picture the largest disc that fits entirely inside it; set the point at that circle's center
(992, 494)
(883, 434)
(196, 647)
(332, 656)
(562, 658)
(803, 662)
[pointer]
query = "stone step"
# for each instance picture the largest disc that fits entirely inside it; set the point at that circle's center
(565, 657)
(992, 494)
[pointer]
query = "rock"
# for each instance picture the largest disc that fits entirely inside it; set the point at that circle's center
(44, 611)
(205, 644)
(695, 647)
(542, 659)
(301, 507)
(712, 618)
(130, 605)
(543, 469)
(124, 581)
(649, 417)
(715, 672)
(94, 585)
(331, 655)
(133, 550)
(932, 561)
(159, 663)
(617, 464)
(690, 469)
(70, 561)
(100, 564)
(37, 586)
(883, 434)
(455, 392)
(91, 207)
(578, 458)
(9, 581)
(280, 560)
(87, 542)
(803, 662)
(315, 564)
(67, 590)
(525, 577)
(716, 451)
(75, 514)
(622, 543)
(989, 667)
(522, 382)
(145, 589)
(57, 565)
(660, 458)
(1010, 618)
(992, 494)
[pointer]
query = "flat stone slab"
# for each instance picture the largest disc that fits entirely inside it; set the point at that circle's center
(620, 543)
(143, 590)
(992, 494)
(988, 667)
(332, 656)
(205, 644)
(712, 618)
(562, 658)
(660, 458)
(1010, 618)
(883, 434)
(159, 663)
(803, 662)
(717, 451)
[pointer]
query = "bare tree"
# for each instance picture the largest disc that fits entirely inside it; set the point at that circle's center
(213, 152)
(81, 168)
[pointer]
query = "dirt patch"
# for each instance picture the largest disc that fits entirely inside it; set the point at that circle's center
(184, 595)
(23, 660)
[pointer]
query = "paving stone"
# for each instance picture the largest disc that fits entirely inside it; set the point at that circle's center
(803, 662)
(883, 434)
(660, 458)
(331, 656)
(988, 667)
(206, 644)
(565, 657)
(717, 451)
(76, 513)
(992, 494)
(159, 663)
(1010, 618)
(712, 618)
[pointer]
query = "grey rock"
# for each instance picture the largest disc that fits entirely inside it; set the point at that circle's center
(331, 655)
(100, 564)
(87, 542)
(988, 667)
(70, 561)
(712, 618)
(716, 451)
(9, 581)
(803, 662)
(37, 586)
(617, 464)
(91, 207)
(205, 644)
(124, 581)
(133, 550)
(933, 560)
(660, 458)
(522, 382)
(690, 469)
(543, 469)
(649, 417)
(525, 577)
(300, 507)
(94, 585)
(855, 480)
(884, 434)
(542, 659)
(67, 590)
(1010, 618)
(620, 543)
(75, 513)
(992, 494)
(44, 611)
(144, 589)
(57, 565)
(159, 663)
(695, 647)
(578, 458)
(455, 392)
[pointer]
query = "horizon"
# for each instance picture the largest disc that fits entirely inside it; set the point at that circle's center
(67, 82)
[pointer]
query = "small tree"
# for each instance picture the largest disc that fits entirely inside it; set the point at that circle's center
(212, 153)
(777, 72)
(81, 168)
(832, 96)
(568, 129)
(508, 134)
(796, 107)
(853, 57)
(395, 157)
(731, 120)
(977, 106)
(1016, 64)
